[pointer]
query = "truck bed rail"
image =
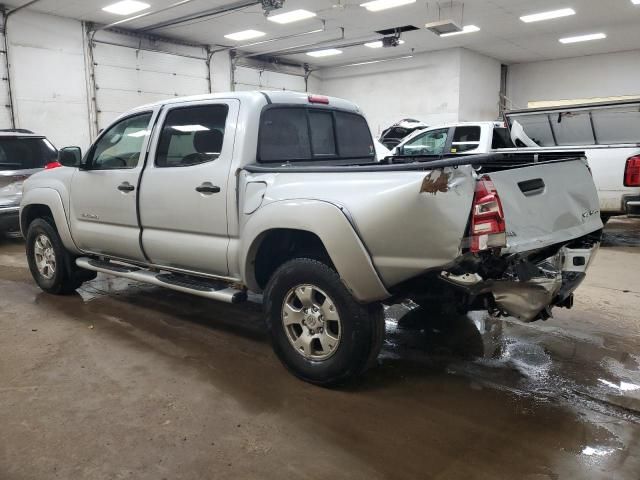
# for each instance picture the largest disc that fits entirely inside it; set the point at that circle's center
(488, 162)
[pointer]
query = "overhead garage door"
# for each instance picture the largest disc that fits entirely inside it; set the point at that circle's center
(5, 101)
(128, 77)
(246, 78)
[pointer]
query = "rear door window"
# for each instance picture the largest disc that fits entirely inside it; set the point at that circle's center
(465, 139)
(292, 134)
(24, 153)
(192, 135)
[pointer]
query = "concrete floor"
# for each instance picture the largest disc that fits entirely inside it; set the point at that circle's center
(129, 381)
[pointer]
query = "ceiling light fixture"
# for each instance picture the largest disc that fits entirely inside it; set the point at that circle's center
(583, 38)
(244, 35)
(465, 29)
(379, 44)
(378, 5)
(292, 16)
(537, 17)
(325, 53)
(126, 7)
(635, 2)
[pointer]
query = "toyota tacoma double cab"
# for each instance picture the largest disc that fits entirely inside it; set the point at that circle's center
(280, 193)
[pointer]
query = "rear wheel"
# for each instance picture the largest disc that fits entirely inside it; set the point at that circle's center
(318, 330)
(51, 265)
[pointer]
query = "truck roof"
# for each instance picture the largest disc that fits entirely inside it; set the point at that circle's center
(275, 96)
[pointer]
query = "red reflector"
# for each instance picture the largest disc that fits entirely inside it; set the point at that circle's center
(51, 165)
(632, 172)
(319, 99)
(487, 217)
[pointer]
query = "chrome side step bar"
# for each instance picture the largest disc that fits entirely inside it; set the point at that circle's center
(194, 285)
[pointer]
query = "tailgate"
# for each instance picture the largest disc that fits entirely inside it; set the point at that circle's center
(547, 203)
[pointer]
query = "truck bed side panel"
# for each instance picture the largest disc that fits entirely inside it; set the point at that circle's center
(409, 221)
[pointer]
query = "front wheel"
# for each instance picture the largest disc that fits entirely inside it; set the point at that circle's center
(51, 265)
(318, 330)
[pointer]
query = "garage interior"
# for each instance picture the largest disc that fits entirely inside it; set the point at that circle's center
(127, 380)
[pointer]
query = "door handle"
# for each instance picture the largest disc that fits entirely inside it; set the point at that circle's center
(207, 188)
(126, 187)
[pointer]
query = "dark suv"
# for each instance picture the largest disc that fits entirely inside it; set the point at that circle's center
(22, 153)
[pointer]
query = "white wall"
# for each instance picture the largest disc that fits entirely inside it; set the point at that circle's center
(435, 87)
(595, 76)
(48, 77)
(424, 87)
(479, 87)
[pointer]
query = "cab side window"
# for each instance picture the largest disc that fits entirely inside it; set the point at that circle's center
(192, 135)
(429, 143)
(465, 139)
(121, 144)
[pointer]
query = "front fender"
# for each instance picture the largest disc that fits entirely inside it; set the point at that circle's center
(329, 223)
(49, 197)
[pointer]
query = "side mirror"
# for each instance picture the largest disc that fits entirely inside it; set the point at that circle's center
(70, 156)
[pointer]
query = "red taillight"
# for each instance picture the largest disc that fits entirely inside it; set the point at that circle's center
(319, 99)
(487, 217)
(51, 165)
(632, 172)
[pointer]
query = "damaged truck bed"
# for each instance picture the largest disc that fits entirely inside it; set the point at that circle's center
(513, 233)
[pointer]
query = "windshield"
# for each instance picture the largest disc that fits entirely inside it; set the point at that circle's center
(24, 153)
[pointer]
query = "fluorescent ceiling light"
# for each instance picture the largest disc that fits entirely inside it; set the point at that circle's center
(537, 17)
(190, 128)
(245, 35)
(377, 5)
(325, 53)
(584, 38)
(292, 16)
(635, 2)
(379, 44)
(126, 7)
(465, 29)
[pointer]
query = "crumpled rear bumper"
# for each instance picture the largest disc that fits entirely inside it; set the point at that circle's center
(529, 291)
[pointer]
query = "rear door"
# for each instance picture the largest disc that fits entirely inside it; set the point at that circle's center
(103, 198)
(183, 203)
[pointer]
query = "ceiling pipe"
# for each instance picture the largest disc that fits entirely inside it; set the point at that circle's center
(6, 56)
(136, 17)
(285, 51)
(323, 46)
(212, 12)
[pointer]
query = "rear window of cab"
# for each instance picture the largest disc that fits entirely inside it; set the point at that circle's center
(303, 134)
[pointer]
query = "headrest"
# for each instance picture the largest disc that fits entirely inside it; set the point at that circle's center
(208, 141)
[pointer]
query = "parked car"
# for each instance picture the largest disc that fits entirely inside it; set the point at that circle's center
(281, 193)
(396, 132)
(615, 166)
(22, 153)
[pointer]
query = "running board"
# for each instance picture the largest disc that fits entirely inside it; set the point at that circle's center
(202, 287)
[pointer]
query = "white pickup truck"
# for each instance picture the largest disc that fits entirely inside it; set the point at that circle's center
(281, 193)
(608, 134)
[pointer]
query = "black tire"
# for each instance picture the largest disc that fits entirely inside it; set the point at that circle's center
(362, 326)
(67, 277)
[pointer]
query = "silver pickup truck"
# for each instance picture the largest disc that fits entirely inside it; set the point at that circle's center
(280, 193)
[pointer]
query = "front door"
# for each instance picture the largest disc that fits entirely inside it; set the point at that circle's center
(184, 191)
(103, 211)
